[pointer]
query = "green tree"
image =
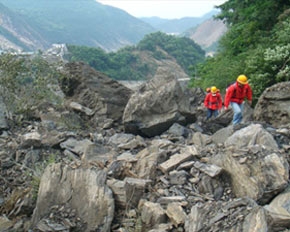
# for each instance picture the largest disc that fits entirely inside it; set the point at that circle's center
(256, 45)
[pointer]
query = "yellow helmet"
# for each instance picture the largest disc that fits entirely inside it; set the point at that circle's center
(213, 89)
(242, 79)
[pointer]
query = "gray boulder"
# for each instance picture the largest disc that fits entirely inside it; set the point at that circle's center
(83, 190)
(273, 106)
(102, 96)
(160, 103)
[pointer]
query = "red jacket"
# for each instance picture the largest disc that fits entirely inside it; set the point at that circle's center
(213, 102)
(236, 93)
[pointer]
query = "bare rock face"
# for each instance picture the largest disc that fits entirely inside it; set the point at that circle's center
(100, 95)
(273, 106)
(158, 105)
(253, 161)
(81, 190)
(279, 210)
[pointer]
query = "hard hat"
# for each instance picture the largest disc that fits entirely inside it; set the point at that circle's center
(242, 79)
(213, 89)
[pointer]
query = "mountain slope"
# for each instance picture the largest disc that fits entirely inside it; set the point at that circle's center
(85, 22)
(177, 26)
(16, 33)
(207, 33)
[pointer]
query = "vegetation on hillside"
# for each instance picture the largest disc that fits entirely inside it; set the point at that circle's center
(26, 81)
(127, 63)
(256, 44)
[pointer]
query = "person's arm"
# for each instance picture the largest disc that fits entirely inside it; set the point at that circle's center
(228, 96)
(220, 102)
(206, 101)
(249, 94)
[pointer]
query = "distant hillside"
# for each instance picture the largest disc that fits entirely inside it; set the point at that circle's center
(85, 22)
(207, 34)
(177, 54)
(177, 26)
(16, 33)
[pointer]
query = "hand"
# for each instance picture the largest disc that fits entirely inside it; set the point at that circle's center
(225, 108)
(250, 103)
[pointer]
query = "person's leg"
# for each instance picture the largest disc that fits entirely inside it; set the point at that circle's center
(238, 110)
(208, 114)
(215, 113)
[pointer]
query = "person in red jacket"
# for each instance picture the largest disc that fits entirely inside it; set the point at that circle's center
(213, 102)
(235, 95)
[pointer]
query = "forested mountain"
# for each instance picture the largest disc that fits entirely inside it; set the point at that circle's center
(178, 54)
(256, 44)
(84, 22)
(29, 25)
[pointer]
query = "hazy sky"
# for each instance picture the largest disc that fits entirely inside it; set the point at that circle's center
(168, 9)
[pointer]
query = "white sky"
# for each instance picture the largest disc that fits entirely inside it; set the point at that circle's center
(167, 9)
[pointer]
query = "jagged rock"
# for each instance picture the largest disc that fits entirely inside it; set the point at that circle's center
(178, 177)
(75, 146)
(256, 221)
(222, 135)
(6, 224)
(152, 214)
(176, 213)
(250, 136)
(178, 130)
(264, 174)
(78, 107)
(162, 228)
(175, 160)
(209, 169)
(118, 188)
(156, 106)
(279, 211)
(273, 106)
(127, 141)
(135, 189)
(62, 185)
(32, 139)
(217, 216)
(104, 96)
(200, 139)
(148, 160)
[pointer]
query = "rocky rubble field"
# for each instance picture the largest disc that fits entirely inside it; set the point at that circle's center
(114, 159)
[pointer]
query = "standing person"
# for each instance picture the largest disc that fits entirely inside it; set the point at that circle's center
(213, 103)
(235, 95)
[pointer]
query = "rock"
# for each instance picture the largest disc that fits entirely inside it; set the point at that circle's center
(273, 106)
(176, 213)
(250, 136)
(264, 175)
(95, 91)
(62, 185)
(156, 106)
(279, 210)
(152, 214)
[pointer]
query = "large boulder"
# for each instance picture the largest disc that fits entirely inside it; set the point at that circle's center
(256, 167)
(273, 106)
(96, 92)
(160, 103)
(83, 190)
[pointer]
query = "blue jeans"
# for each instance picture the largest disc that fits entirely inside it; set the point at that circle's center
(211, 113)
(238, 112)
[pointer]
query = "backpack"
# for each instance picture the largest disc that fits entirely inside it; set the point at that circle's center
(233, 83)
